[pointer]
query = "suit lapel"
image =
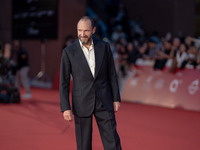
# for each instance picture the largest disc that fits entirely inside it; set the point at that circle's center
(99, 53)
(82, 60)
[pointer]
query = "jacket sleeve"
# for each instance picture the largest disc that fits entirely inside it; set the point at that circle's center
(112, 75)
(65, 70)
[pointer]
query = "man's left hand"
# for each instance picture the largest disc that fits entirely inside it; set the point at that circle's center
(116, 106)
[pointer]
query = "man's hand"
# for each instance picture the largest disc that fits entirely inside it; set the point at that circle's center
(116, 106)
(67, 114)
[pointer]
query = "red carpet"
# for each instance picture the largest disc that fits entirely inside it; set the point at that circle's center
(37, 124)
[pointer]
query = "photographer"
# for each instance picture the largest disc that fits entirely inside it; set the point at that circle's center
(20, 58)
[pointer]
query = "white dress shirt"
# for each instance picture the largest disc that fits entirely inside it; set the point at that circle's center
(90, 57)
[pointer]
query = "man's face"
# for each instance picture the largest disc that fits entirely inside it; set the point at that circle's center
(85, 31)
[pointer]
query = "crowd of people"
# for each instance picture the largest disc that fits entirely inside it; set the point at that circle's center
(14, 67)
(175, 53)
(132, 45)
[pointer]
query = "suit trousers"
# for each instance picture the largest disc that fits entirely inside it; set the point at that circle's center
(107, 127)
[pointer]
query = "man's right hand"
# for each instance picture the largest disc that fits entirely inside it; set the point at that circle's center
(67, 114)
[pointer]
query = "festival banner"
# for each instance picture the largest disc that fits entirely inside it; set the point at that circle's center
(162, 88)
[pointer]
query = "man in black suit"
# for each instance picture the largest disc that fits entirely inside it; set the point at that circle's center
(95, 88)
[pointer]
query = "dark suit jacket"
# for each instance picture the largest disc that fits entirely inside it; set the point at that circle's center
(86, 88)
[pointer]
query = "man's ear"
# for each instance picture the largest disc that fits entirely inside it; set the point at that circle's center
(93, 30)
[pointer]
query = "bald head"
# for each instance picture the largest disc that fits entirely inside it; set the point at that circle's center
(87, 19)
(85, 30)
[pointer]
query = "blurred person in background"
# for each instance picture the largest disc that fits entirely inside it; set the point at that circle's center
(20, 59)
(196, 42)
(142, 49)
(181, 56)
(163, 56)
(118, 33)
(192, 56)
(149, 51)
(188, 41)
(175, 47)
(133, 54)
(122, 59)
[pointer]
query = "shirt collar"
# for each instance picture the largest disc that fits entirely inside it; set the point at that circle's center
(92, 44)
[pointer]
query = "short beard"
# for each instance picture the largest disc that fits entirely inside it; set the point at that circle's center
(87, 41)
